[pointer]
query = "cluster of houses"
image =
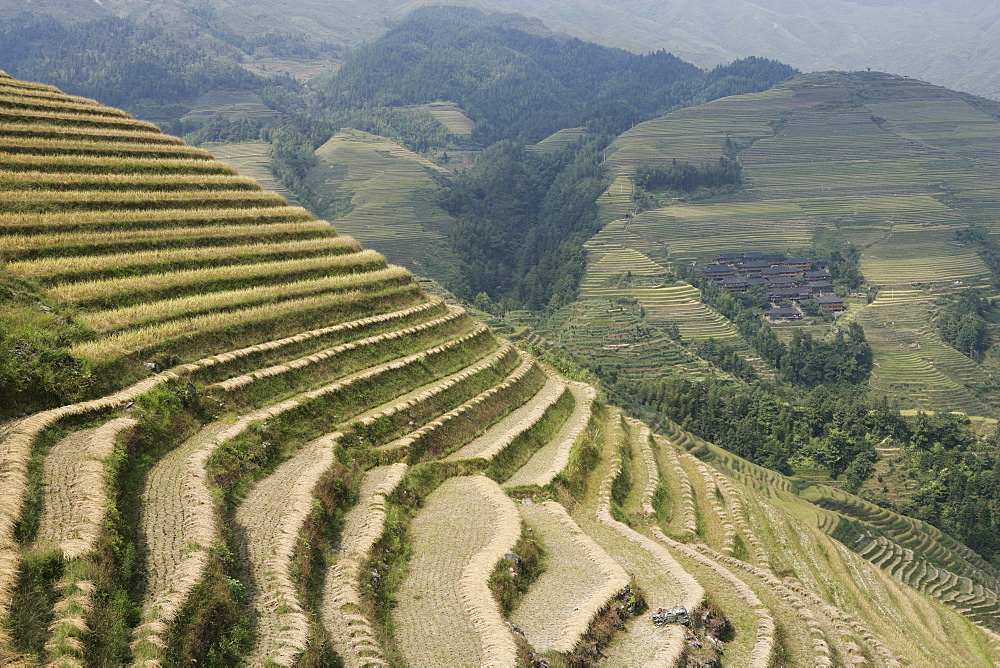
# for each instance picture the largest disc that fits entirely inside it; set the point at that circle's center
(795, 279)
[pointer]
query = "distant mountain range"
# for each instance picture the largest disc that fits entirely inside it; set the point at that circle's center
(955, 44)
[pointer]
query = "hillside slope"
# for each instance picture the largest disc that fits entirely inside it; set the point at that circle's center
(282, 436)
(897, 168)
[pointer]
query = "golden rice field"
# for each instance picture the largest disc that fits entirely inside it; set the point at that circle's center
(321, 464)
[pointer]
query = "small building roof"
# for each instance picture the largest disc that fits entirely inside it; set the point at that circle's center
(734, 281)
(816, 274)
(780, 269)
(756, 264)
(798, 260)
(718, 269)
(829, 299)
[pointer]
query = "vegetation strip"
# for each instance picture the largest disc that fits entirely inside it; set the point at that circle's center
(418, 439)
(342, 608)
(82, 265)
(136, 340)
(237, 382)
(685, 521)
(113, 290)
(270, 518)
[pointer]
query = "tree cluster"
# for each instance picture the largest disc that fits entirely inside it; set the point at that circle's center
(687, 177)
(522, 219)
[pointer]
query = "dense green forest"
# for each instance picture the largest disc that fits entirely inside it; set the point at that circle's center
(142, 69)
(516, 82)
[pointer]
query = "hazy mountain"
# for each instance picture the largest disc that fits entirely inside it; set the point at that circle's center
(955, 44)
(949, 43)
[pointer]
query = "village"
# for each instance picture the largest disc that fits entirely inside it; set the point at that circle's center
(796, 286)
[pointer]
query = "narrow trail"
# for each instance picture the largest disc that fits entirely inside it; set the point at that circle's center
(270, 519)
(342, 614)
(553, 457)
(503, 433)
(579, 579)
(445, 607)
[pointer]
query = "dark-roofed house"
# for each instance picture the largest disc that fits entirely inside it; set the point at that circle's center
(753, 267)
(820, 287)
(759, 281)
(774, 258)
(830, 302)
(783, 314)
(753, 255)
(717, 271)
(821, 275)
(781, 282)
(734, 284)
(794, 294)
(727, 258)
(803, 263)
(779, 270)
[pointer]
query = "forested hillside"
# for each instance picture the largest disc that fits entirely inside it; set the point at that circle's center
(516, 82)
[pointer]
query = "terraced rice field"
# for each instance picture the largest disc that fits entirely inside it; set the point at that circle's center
(896, 170)
(385, 196)
(911, 361)
(252, 160)
(434, 617)
(301, 369)
(559, 140)
(452, 117)
(579, 580)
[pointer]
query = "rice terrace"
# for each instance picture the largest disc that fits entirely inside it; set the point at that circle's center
(256, 442)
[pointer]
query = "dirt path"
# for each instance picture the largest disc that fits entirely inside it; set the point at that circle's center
(553, 457)
(500, 435)
(269, 520)
(445, 607)
(349, 629)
